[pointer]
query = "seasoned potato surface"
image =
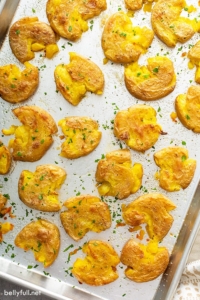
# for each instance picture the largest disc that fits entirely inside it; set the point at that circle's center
(38, 189)
(68, 18)
(82, 136)
(176, 169)
(5, 159)
(85, 213)
(116, 176)
(152, 209)
(43, 238)
(99, 265)
(78, 77)
(17, 86)
(34, 137)
(153, 81)
(122, 42)
(6, 226)
(29, 35)
(137, 127)
(144, 262)
(137, 4)
(194, 56)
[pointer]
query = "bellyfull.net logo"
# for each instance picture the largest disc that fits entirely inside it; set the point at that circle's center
(20, 293)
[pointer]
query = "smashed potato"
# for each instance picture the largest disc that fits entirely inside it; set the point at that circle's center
(187, 108)
(34, 137)
(38, 189)
(137, 127)
(17, 86)
(7, 226)
(194, 56)
(116, 176)
(78, 77)
(68, 18)
(43, 238)
(5, 159)
(85, 213)
(122, 42)
(134, 5)
(29, 35)
(144, 262)
(176, 169)
(169, 26)
(99, 265)
(152, 209)
(82, 136)
(153, 81)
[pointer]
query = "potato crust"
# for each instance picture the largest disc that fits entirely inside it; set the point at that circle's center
(68, 18)
(6, 226)
(194, 56)
(17, 86)
(28, 35)
(82, 136)
(99, 265)
(116, 176)
(167, 24)
(152, 209)
(43, 238)
(85, 213)
(137, 127)
(144, 262)
(34, 137)
(38, 189)
(122, 42)
(176, 169)
(5, 159)
(187, 108)
(78, 77)
(151, 82)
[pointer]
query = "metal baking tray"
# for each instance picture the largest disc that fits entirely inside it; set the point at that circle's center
(56, 281)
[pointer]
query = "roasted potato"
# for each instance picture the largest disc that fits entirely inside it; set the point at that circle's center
(99, 265)
(85, 213)
(43, 238)
(17, 86)
(144, 262)
(122, 42)
(78, 77)
(150, 82)
(38, 189)
(152, 209)
(116, 176)
(176, 169)
(3, 201)
(169, 26)
(34, 137)
(134, 5)
(137, 127)
(7, 226)
(187, 108)
(194, 56)
(82, 136)
(68, 18)
(5, 159)
(29, 35)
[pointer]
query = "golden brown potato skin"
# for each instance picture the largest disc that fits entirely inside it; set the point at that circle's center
(176, 169)
(43, 238)
(34, 137)
(137, 127)
(82, 136)
(68, 18)
(116, 176)
(38, 189)
(5, 159)
(17, 86)
(27, 31)
(78, 77)
(167, 24)
(133, 4)
(152, 209)
(99, 265)
(85, 213)
(144, 263)
(122, 42)
(3, 201)
(194, 56)
(187, 108)
(151, 82)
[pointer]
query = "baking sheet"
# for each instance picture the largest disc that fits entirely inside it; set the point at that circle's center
(81, 172)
